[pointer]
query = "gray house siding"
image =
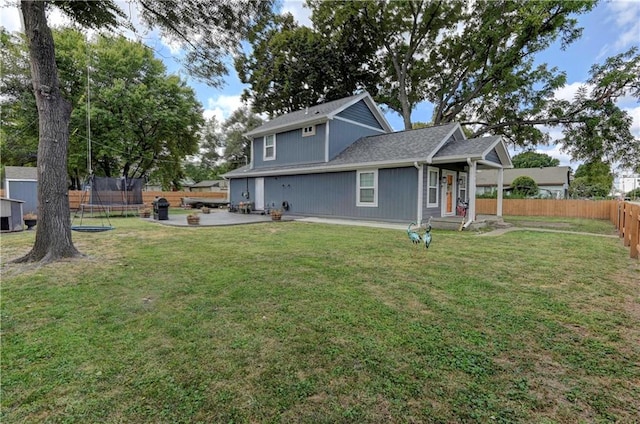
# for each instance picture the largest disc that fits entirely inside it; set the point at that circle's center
(492, 156)
(334, 194)
(360, 112)
(239, 186)
(27, 191)
(292, 148)
(342, 134)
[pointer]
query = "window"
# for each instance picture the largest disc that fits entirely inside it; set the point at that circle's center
(367, 188)
(462, 187)
(432, 187)
(269, 147)
(307, 131)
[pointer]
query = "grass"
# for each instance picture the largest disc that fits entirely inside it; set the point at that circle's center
(294, 322)
(596, 226)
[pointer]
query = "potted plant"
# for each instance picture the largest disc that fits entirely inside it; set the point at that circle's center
(145, 212)
(30, 220)
(193, 219)
(276, 214)
(205, 209)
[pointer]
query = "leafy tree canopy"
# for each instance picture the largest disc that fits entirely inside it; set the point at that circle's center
(474, 62)
(531, 159)
(592, 179)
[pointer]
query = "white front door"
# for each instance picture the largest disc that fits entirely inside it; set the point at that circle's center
(259, 191)
(448, 193)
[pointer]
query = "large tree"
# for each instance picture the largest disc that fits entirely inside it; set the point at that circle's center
(531, 159)
(475, 62)
(208, 30)
(291, 67)
(237, 149)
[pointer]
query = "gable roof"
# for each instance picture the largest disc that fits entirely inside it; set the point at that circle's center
(552, 175)
(473, 148)
(438, 144)
(209, 183)
(21, 173)
(316, 114)
(402, 146)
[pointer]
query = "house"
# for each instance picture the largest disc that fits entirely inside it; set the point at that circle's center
(552, 181)
(21, 183)
(342, 159)
(219, 186)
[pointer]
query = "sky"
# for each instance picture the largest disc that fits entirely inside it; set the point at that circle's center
(611, 28)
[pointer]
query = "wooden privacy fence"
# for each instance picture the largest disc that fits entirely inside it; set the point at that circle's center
(626, 217)
(173, 197)
(593, 209)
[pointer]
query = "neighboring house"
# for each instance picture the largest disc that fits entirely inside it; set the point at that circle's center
(552, 181)
(341, 159)
(21, 183)
(219, 186)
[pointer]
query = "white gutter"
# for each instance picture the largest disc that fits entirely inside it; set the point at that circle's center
(420, 169)
(471, 211)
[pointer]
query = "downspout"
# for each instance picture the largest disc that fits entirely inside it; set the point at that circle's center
(471, 211)
(420, 169)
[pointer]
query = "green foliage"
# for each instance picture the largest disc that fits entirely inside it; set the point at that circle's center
(18, 120)
(142, 120)
(533, 159)
(291, 67)
(525, 186)
(208, 31)
(592, 179)
(237, 149)
(633, 194)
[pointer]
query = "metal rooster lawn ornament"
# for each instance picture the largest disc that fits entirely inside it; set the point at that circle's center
(416, 238)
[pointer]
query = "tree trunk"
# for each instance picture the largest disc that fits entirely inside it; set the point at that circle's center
(53, 232)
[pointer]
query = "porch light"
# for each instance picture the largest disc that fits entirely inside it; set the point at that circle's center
(443, 180)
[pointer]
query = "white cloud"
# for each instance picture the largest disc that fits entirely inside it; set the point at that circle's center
(10, 17)
(222, 106)
(626, 18)
(299, 10)
(568, 92)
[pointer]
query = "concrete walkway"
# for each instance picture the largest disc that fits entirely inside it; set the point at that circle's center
(222, 217)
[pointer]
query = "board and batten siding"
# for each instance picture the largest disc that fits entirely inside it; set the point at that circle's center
(27, 191)
(342, 134)
(360, 112)
(492, 156)
(334, 195)
(292, 148)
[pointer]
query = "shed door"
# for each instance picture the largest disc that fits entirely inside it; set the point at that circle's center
(259, 194)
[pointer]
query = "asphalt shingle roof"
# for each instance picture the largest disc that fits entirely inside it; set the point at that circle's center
(473, 147)
(21, 172)
(398, 146)
(298, 117)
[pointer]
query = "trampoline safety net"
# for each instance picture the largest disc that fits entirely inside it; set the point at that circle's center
(116, 191)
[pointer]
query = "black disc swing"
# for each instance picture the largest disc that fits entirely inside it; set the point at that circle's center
(94, 196)
(95, 202)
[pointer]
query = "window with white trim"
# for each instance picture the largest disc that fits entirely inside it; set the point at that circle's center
(269, 147)
(462, 187)
(367, 184)
(308, 131)
(433, 187)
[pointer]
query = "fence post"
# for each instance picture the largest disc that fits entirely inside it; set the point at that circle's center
(634, 233)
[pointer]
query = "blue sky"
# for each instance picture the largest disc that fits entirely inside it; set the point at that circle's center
(611, 28)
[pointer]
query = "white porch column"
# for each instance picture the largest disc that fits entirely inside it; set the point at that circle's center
(420, 191)
(471, 213)
(500, 183)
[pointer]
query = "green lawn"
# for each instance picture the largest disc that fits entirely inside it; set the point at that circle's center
(298, 322)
